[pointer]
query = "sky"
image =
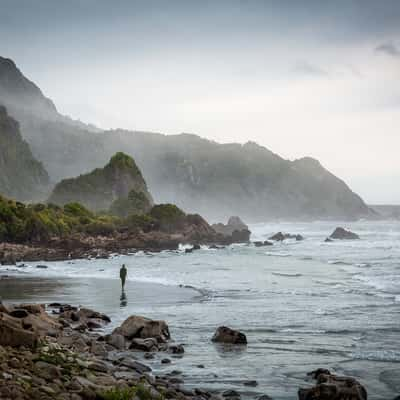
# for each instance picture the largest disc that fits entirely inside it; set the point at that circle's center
(302, 78)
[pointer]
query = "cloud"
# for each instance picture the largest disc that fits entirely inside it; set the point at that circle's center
(389, 49)
(307, 69)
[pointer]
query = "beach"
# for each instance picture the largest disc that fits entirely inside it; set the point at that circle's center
(302, 305)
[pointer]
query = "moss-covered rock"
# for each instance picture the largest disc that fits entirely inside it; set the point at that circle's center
(119, 185)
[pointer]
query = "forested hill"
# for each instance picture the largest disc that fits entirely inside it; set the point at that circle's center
(216, 180)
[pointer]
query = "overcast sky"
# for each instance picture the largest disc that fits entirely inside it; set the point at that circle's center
(313, 78)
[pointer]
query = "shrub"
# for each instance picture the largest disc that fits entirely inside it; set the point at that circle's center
(166, 212)
(135, 203)
(77, 210)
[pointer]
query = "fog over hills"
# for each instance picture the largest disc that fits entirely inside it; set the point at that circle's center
(21, 175)
(199, 175)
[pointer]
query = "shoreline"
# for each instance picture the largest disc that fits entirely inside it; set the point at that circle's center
(100, 247)
(59, 351)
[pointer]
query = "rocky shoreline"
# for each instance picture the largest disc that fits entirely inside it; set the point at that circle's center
(61, 352)
(78, 247)
(194, 231)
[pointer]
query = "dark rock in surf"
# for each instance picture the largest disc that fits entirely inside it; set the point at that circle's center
(280, 237)
(236, 229)
(140, 327)
(176, 349)
(230, 336)
(147, 345)
(343, 234)
(328, 240)
(250, 383)
(262, 244)
(333, 387)
(230, 394)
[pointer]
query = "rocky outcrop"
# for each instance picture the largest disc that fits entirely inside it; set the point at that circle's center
(229, 336)
(280, 237)
(22, 177)
(119, 186)
(235, 228)
(343, 234)
(333, 387)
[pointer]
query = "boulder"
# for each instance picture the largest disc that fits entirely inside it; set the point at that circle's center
(343, 234)
(13, 334)
(280, 237)
(242, 236)
(262, 244)
(19, 313)
(227, 335)
(3, 308)
(137, 326)
(176, 349)
(333, 387)
(116, 340)
(149, 344)
(236, 229)
(33, 308)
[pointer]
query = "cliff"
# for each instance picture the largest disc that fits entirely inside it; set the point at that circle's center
(22, 177)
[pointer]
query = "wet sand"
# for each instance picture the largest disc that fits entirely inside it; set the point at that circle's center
(104, 295)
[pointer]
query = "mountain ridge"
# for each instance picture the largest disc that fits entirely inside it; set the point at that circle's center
(199, 175)
(21, 175)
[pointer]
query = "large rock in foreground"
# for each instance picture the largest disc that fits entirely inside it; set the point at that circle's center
(343, 234)
(333, 387)
(143, 328)
(229, 336)
(12, 333)
(24, 324)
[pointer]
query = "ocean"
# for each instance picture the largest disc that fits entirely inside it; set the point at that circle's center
(302, 304)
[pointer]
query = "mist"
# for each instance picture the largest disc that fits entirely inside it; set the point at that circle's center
(308, 79)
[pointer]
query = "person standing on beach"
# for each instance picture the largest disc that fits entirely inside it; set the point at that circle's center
(122, 274)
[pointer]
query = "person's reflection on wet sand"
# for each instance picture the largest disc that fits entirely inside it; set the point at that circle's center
(123, 299)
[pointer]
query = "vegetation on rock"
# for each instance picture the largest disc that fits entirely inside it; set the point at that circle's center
(35, 223)
(118, 186)
(21, 223)
(216, 180)
(136, 203)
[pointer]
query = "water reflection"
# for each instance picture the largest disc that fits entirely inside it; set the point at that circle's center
(123, 299)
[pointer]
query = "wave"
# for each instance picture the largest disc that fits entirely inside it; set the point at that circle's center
(277, 254)
(378, 355)
(286, 274)
(338, 262)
